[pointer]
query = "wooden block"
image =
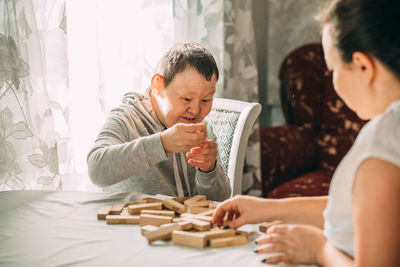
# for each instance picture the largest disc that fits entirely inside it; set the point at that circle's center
(154, 219)
(186, 225)
(168, 213)
(189, 239)
(103, 212)
(171, 204)
(194, 199)
(218, 233)
(152, 200)
(196, 210)
(204, 204)
(265, 225)
(135, 209)
(135, 202)
(122, 219)
(197, 217)
(228, 241)
(162, 233)
(117, 208)
(212, 205)
(147, 228)
(198, 224)
(243, 233)
(180, 199)
(125, 212)
(207, 213)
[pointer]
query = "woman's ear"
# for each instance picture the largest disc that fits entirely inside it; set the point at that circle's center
(157, 83)
(365, 65)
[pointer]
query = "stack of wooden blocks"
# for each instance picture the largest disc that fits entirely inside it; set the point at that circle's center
(186, 220)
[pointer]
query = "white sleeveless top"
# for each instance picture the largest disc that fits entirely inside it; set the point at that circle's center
(379, 138)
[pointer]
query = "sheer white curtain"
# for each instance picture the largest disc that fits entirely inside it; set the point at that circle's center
(52, 103)
(34, 131)
(113, 49)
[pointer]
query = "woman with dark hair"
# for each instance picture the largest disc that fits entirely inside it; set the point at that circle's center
(358, 223)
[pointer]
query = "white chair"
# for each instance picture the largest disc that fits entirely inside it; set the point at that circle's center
(232, 122)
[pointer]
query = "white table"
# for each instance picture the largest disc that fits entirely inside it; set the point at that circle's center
(59, 228)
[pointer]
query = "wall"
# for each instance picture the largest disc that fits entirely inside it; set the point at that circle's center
(280, 26)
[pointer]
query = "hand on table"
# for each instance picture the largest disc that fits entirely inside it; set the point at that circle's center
(203, 156)
(239, 210)
(297, 243)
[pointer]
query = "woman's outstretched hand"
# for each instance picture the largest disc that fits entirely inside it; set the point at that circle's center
(239, 211)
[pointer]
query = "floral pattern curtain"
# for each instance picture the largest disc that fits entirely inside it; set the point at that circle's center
(39, 136)
(33, 95)
(226, 29)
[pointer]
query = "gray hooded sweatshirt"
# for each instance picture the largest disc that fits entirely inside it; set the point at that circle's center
(128, 156)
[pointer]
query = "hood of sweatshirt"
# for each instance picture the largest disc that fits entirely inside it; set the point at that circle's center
(141, 103)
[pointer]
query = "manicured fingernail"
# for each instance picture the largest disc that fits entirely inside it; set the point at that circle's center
(256, 251)
(226, 227)
(256, 242)
(263, 260)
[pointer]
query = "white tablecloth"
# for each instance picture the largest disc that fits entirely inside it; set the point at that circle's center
(58, 228)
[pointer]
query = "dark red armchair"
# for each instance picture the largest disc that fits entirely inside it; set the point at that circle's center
(298, 159)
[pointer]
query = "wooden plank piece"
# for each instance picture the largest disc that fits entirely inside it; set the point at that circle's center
(189, 239)
(154, 219)
(135, 209)
(168, 213)
(122, 219)
(209, 212)
(103, 212)
(228, 241)
(198, 224)
(194, 199)
(197, 210)
(171, 204)
(263, 227)
(117, 208)
(161, 233)
(147, 228)
(197, 217)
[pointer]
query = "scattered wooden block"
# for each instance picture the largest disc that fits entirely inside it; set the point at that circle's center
(168, 213)
(117, 208)
(265, 225)
(122, 219)
(147, 228)
(194, 199)
(152, 200)
(212, 205)
(135, 209)
(197, 217)
(171, 204)
(243, 233)
(161, 233)
(136, 202)
(154, 219)
(204, 204)
(180, 199)
(228, 241)
(125, 212)
(198, 224)
(197, 210)
(218, 233)
(190, 239)
(207, 213)
(103, 212)
(186, 225)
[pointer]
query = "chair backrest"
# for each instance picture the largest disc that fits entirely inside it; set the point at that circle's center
(309, 100)
(232, 122)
